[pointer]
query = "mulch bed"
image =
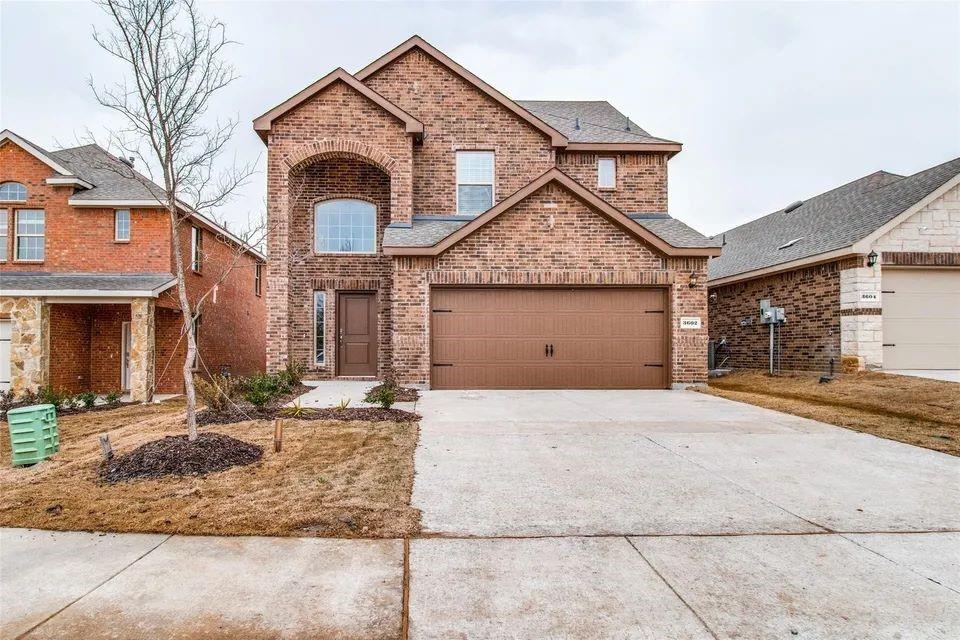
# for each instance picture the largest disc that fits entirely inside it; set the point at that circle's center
(366, 414)
(68, 411)
(403, 394)
(177, 456)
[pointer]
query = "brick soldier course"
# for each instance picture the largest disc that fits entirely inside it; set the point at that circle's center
(389, 136)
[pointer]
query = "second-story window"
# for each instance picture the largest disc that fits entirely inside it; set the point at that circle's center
(607, 173)
(345, 226)
(196, 249)
(13, 191)
(258, 278)
(3, 235)
(474, 182)
(121, 225)
(30, 231)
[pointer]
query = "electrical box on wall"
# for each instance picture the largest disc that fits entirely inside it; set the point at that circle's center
(770, 314)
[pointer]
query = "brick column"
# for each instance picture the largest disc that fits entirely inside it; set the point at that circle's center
(142, 350)
(29, 343)
(861, 322)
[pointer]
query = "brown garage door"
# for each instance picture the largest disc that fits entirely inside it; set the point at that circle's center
(549, 339)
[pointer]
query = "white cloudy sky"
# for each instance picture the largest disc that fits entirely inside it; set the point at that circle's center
(773, 101)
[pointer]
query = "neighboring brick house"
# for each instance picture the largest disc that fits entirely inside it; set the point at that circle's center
(425, 226)
(87, 293)
(870, 269)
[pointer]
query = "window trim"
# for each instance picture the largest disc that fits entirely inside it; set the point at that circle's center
(258, 279)
(612, 159)
(116, 225)
(17, 235)
(457, 183)
(321, 296)
(196, 249)
(26, 193)
(5, 215)
(376, 215)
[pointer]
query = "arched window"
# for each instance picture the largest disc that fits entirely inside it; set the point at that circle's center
(13, 191)
(345, 226)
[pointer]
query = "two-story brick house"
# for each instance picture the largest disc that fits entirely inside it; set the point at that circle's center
(426, 226)
(87, 293)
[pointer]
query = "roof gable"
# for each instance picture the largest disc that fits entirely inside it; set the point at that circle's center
(37, 152)
(557, 138)
(262, 124)
(598, 204)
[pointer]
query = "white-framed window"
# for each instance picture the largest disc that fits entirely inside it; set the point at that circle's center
(13, 192)
(258, 278)
(196, 339)
(474, 181)
(121, 225)
(607, 173)
(4, 232)
(319, 333)
(345, 226)
(196, 249)
(30, 229)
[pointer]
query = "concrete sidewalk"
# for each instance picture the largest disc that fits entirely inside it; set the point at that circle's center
(95, 586)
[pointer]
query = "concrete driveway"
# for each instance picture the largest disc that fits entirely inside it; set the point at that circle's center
(582, 515)
(600, 514)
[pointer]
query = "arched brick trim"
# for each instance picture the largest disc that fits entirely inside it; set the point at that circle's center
(321, 149)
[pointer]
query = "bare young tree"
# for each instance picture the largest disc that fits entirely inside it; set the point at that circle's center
(175, 64)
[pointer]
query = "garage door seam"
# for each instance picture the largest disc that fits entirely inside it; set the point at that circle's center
(671, 587)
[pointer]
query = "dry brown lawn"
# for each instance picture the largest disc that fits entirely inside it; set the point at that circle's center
(917, 411)
(340, 479)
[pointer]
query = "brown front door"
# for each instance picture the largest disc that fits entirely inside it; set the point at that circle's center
(357, 334)
(588, 338)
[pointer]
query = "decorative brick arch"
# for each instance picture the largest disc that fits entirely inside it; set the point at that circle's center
(322, 149)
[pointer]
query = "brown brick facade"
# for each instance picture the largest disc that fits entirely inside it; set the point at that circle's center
(811, 300)
(641, 178)
(85, 339)
(339, 144)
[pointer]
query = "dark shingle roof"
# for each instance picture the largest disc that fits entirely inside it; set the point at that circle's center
(112, 179)
(87, 282)
(832, 220)
(673, 231)
(427, 231)
(599, 121)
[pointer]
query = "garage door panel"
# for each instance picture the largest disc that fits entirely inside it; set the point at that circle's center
(921, 318)
(496, 338)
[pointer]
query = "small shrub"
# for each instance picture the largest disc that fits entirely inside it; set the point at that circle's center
(49, 395)
(261, 388)
(217, 392)
(87, 399)
(292, 375)
(113, 397)
(384, 395)
(6, 401)
(344, 403)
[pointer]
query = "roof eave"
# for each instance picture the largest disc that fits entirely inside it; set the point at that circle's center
(670, 148)
(588, 197)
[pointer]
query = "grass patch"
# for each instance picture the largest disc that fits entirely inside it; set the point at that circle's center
(917, 411)
(337, 479)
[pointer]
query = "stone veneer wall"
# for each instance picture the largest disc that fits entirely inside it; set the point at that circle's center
(142, 349)
(29, 343)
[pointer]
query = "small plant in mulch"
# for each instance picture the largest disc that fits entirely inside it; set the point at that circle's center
(65, 402)
(400, 394)
(177, 456)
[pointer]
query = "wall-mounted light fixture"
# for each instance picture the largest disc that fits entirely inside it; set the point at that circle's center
(871, 258)
(694, 281)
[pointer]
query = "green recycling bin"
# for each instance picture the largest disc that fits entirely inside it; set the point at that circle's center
(33, 433)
